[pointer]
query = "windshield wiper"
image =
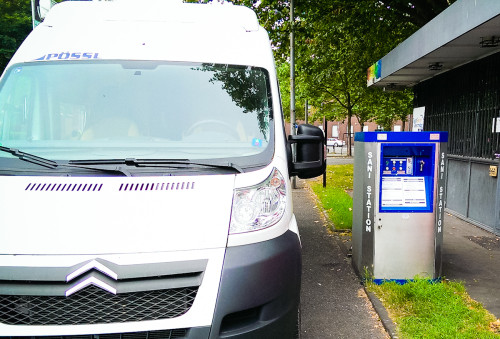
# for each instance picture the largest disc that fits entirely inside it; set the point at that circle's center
(179, 163)
(34, 159)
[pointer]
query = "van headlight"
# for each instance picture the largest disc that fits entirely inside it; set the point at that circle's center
(260, 206)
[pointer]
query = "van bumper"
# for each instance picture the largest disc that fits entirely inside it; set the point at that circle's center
(259, 292)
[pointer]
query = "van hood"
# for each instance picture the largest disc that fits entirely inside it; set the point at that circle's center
(105, 215)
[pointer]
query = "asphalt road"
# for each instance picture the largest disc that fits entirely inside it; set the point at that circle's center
(337, 160)
(334, 304)
(340, 153)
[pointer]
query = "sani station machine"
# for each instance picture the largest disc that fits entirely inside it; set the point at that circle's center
(398, 207)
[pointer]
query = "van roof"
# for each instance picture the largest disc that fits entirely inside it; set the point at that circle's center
(149, 30)
(84, 12)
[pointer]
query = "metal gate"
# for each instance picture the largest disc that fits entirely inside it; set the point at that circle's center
(465, 103)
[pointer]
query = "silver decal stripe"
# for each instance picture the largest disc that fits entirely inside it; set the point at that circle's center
(90, 266)
(91, 281)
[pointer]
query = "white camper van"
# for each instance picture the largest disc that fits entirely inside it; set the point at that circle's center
(145, 177)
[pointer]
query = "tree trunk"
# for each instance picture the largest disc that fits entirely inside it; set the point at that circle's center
(361, 123)
(349, 116)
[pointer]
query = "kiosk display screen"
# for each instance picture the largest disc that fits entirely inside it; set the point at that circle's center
(406, 178)
(403, 192)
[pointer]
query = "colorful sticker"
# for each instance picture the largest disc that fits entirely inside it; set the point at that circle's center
(257, 142)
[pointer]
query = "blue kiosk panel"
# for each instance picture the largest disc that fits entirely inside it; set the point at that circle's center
(416, 137)
(406, 177)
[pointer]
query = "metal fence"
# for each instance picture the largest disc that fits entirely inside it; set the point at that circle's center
(465, 103)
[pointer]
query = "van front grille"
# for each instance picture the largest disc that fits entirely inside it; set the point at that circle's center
(93, 305)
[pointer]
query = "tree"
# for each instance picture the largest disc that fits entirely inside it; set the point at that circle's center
(247, 88)
(367, 108)
(283, 73)
(343, 39)
(392, 106)
(418, 12)
(336, 41)
(15, 25)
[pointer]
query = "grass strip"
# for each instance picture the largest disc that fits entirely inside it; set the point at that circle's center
(335, 198)
(422, 309)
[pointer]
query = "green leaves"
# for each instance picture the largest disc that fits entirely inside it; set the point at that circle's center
(335, 43)
(15, 24)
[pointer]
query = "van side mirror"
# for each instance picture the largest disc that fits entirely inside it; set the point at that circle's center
(40, 9)
(310, 153)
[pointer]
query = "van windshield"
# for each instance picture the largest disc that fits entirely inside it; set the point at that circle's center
(136, 109)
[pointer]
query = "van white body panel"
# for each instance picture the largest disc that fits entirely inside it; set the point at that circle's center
(179, 213)
(126, 31)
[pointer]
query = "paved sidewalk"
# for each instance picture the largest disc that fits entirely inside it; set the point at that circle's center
(333, 301)
(472, 255)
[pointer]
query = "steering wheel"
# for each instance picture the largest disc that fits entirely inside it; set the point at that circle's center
(217, 126)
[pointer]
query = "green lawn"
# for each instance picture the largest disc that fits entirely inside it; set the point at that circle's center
(422, 309)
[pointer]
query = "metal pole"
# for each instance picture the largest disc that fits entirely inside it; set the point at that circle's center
(306, 112)
(292, 85)
(33, 13)
(325, 125)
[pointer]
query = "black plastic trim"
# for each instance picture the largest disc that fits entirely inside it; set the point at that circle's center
(259, 292)
(192, 333)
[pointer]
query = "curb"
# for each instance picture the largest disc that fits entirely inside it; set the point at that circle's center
(387, 322)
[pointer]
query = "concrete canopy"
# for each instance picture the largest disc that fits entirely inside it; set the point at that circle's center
(466, 31)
